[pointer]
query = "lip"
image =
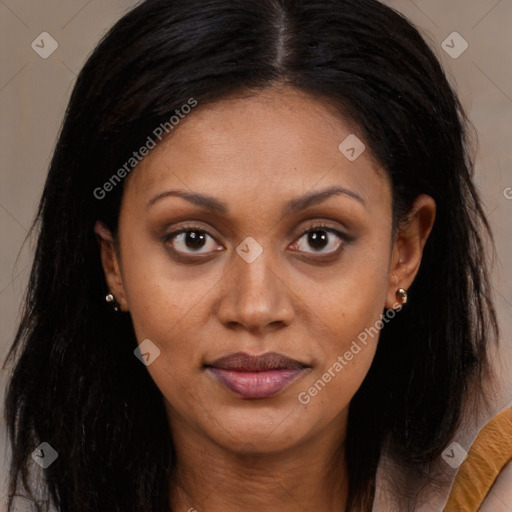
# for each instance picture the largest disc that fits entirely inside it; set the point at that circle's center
(251, 376)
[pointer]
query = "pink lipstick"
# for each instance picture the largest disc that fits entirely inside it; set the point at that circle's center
(260, 376)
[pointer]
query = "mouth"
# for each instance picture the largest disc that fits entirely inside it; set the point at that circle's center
(260, 376)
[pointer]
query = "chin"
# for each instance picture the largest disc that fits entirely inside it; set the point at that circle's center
(258, 431)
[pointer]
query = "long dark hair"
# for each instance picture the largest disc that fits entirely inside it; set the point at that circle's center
(76, 383)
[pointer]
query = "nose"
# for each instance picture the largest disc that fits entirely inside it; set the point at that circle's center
(254, 297)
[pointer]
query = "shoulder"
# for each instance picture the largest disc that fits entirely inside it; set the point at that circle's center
(487, 466)
(499, 498)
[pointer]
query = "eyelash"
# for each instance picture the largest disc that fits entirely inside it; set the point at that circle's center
(316, 227)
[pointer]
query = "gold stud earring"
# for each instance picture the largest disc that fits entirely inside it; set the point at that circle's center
(111, 298)
(401, 295)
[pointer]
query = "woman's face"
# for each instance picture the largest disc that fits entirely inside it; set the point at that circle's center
(214, 261)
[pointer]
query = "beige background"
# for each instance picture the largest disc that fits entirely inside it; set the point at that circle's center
(34, 93)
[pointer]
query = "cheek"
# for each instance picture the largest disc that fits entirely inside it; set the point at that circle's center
(347, 352)
(348, 297)
(162, 295)
(168, 305)
(169, 308)
(349, 309)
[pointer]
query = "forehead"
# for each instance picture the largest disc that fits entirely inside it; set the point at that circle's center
(278, 139)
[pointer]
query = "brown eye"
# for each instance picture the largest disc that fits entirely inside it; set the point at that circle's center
(319, 240)
(192, 241)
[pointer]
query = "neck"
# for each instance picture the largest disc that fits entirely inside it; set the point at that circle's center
(211, 478)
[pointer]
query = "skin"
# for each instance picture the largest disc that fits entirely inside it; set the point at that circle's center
(254, 154)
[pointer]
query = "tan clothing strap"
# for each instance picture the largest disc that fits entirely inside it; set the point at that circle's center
(489, 454)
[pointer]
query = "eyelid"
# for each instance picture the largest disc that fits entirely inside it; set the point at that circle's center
(186, 228)
(319, 225)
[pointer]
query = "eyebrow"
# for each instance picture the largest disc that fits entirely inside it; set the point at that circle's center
(290, 207)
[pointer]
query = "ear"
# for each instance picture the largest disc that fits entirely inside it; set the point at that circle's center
(110, 264)
(408, 247)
